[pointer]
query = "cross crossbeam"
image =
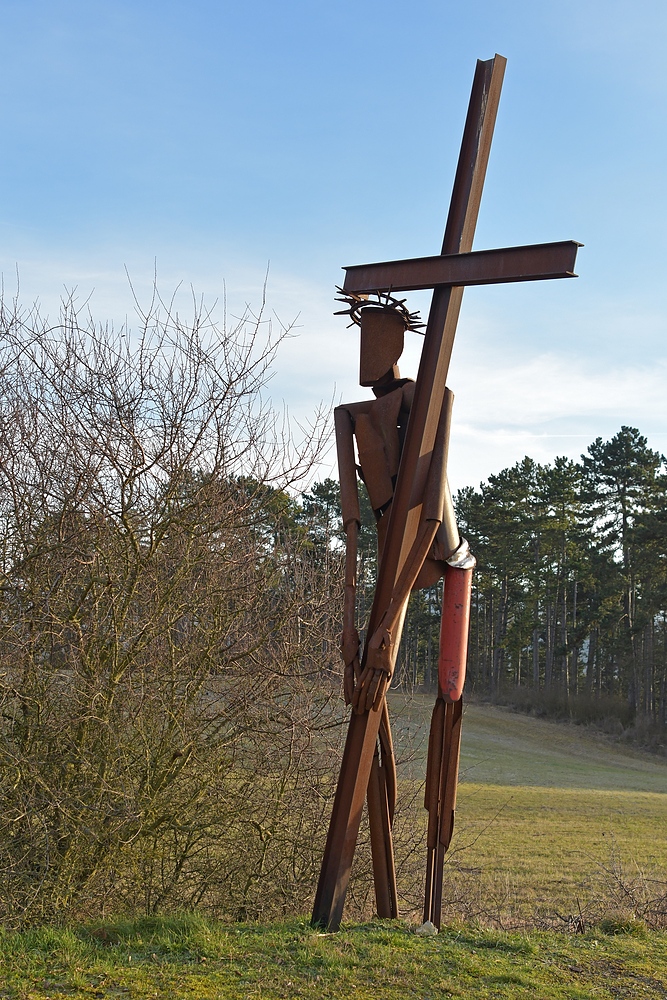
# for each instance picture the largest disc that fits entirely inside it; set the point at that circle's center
(481, 267)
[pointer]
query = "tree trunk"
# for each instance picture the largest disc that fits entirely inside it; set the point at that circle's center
(590, 662)
(548, 667)
(574, 665)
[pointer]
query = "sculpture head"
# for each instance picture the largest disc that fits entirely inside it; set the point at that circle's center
(382, 338)
(383, 324)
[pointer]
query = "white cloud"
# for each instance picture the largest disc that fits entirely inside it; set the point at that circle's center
(548, 405)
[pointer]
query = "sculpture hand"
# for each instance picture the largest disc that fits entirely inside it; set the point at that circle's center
(376, 675)
(370, 690)
(380, 649)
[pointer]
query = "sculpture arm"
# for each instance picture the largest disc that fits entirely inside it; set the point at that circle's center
(349, 495)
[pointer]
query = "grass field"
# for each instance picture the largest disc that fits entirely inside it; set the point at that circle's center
(552, 822)
(555, 829)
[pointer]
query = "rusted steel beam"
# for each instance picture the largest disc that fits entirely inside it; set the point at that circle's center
(405, 513)
(344, 825)
(449, 771)
(482, 267)
(384, 874)
(440, 332)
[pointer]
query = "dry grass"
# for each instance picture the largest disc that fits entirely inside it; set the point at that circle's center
(555, 828)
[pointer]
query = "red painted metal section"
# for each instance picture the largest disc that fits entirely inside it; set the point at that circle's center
(454, 628)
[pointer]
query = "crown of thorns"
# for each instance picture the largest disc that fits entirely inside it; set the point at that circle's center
(383, 300)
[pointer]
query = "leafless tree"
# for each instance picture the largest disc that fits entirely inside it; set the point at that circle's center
(165, 735)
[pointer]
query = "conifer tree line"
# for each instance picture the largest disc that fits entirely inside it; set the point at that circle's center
(569, 606)
(570, 596)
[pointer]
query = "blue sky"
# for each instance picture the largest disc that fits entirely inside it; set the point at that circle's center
(215, 138)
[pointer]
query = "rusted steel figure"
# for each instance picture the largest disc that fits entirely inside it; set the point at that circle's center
(401, 439)
(378, 426)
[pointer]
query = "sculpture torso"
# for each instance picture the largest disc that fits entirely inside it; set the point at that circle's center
(379, 427)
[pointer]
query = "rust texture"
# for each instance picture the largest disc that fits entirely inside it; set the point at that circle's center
(397, 442)
(481, 267)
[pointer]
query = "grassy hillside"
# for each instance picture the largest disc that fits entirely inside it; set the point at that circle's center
(554, 826)
(501, 747)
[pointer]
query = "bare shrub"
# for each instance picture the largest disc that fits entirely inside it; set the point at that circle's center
(630, 894)
(165, 736)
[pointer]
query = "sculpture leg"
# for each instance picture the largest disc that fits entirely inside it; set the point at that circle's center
(444, 745)
(388, 761)
(384, 876)
(345, 818)
(381, 802)
(448, 784)
(442, 781)
(432, 799)
(355, 773)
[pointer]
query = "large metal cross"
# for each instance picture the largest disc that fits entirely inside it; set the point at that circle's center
(447, 274)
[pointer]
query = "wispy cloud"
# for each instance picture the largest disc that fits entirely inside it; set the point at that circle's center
(546, 406)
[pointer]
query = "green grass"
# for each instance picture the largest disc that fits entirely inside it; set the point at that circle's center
(544, 854)
(194, 958)
(552, 823)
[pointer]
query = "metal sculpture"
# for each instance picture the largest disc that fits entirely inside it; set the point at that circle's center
(401, 440)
